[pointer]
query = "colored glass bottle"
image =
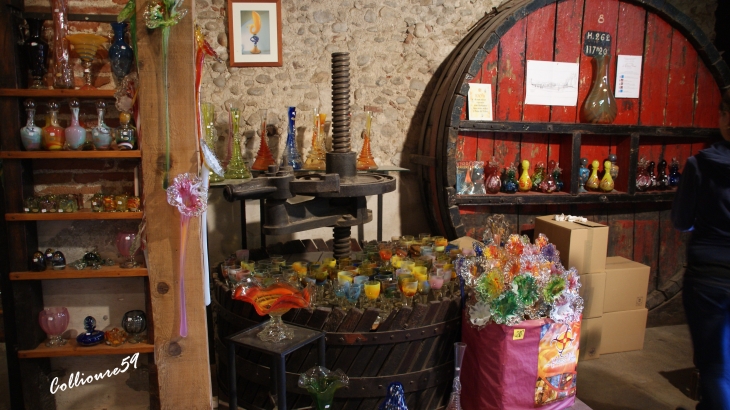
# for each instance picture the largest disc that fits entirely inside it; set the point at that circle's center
(652, 176)
(291, 155)
(493, 184)
(211, 134)
(548, 185)
(556, 175)
(53, 135)
(237, 167)
(614, 166)
(263, 156)
(662, 180)
(593, 181)
(525, 182)
(674, 174)
(121, 55)
(583, 174)
(316, 159)
(600, 105)
(30, 135)
(36, 51)
(607, 183)
(101, 134)
(365, 160)
(510, 183)
(125, 135)
(538, 176)
(75, 133)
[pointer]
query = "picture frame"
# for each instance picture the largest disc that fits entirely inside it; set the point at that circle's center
(254, 33)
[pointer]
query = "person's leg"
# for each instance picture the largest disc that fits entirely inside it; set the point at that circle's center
(707, 305)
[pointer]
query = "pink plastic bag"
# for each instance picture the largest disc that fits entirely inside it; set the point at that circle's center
(528, 366)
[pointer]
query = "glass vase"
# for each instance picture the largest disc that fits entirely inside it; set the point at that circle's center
(62, 71)
(237, 167)
(53, 135)
(101, 134)
(134, 322)
(321, 383)
(455, 400)
(291, 155)
(54, 321)
(316, 159)
(121, 55)
(263, 157)
(600, 105)
(36, 51)
(211, 134)
(30, 135)
(75, 133)
(365, 160)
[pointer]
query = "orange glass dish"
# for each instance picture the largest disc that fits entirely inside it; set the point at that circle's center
(274, 300)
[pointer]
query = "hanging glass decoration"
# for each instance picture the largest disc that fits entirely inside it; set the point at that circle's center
(365, 160)
(236, 168)
(291, 155)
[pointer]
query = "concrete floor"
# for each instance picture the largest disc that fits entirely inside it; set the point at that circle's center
(656, 378)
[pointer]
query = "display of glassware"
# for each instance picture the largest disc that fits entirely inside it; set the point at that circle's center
(54, 321)
(134, 323)
(67, 203)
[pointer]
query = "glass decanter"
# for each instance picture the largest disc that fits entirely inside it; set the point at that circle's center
(583, 174)
(101, 134)
(525, 182)
(455, 400)
(316, 159)
(134, 322)
(510, 182)
(53, 135)
(125, 135)
(75, 133)
(36, 51)
(291, 155)
(54, 321)
(91, 337)
(593, 181)
(211, 134)
(365, 160)
(662, 180)
(237, 167)
(121, 55)
(538, 176)
(30, 135)
(674, 174)
(600, 105)
(263, 157)
(606, 183)
(493, 183)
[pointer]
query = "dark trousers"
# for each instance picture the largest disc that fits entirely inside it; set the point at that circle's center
(707, 305)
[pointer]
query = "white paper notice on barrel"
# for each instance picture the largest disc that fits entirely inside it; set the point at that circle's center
(628, 76)
(551, 83)
(480, 102)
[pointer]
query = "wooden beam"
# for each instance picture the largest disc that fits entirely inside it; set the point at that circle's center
(181, 364)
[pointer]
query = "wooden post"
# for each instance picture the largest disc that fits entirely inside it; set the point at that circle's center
(182, 366)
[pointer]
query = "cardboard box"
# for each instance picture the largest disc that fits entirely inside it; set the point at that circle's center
(592, 290)
(623, 331)
(626, 285)
(591, 331)
(582, 245)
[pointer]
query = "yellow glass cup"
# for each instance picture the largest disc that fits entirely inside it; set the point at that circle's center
(407, 264)
(345, 276)
(372, 289)
(420, 273)
(329, 262)
(396, 261)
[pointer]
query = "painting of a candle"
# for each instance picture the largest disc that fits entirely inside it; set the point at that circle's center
(255, 33)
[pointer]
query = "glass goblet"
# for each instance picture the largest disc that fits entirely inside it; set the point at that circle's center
(372, 291)
(127, 247)
(409, 287)
(134, 322)
(54, 321)
(86, 45)
(436, 280)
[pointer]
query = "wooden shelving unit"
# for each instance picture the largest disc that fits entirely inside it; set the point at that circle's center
(70, 154)
(70, 273)
(73, 349)
(31, 93)
(80, 215)
(537, 198)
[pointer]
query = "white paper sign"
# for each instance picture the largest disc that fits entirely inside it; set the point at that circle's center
(551, 83)
(628, 76)
(480, 102)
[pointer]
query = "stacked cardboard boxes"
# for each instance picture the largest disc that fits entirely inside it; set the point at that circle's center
(624, 311)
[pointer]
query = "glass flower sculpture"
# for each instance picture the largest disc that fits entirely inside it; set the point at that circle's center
(321, 383)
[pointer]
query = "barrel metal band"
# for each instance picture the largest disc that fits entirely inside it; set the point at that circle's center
(396, 336)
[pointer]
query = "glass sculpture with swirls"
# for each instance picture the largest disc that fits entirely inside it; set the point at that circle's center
(86, 45)
(273, 300)
(263, 157)
(54, 321)
(365, 160)
(316, 158)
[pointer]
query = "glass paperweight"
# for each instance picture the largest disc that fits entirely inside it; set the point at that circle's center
(395, 398)
(593, 181)
(66, 205)
(538, 176)
(316, 159)
(211, 134)
(30, 135)
(78, 264)
(115, 337)
(134, 322)
(607, 183)
(674, 174)
(108, 203)
(58, 261)
(36, 52)
(509, 185)
(31, 205)
(92, 257)
(48, 255)
(291, 155)
(133, 203)
(47, 204)
(86, 45)
(54, 321)
(237, 167)
(455, 400)
(53, 135)
(101, 134)
(91, 336)
(263, 157)
(525, 182)
(121, 55)
(120, 203)
(125, 135)
(600, 105)
(365, 160)
(273, 300)
(127, 247)
(75, 133)
(97, 203)
(321, 383)
(38, 262)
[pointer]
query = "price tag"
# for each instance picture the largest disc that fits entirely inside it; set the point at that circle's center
(597, 43)
(26, 209)
(60, 210)
(43, 211)
(519, 334)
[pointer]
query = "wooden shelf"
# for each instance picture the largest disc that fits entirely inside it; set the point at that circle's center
(70, 154)
(536, 198)
(82, 214)
(73, 349)
(70, 273)
(32, 93)
(569, 128)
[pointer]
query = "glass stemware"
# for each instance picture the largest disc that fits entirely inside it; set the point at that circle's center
(54, 321)
(127, 247)
(134, 322)
(409, 287)
(86, 45)
(455, 400)
(436, 280)
(372, 291)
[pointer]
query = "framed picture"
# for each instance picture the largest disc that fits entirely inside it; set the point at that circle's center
(254, 33)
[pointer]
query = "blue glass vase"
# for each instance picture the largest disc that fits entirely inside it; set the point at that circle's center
(291, 155)
(121, 54)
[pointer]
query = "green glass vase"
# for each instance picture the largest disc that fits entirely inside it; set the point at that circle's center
(237, 167)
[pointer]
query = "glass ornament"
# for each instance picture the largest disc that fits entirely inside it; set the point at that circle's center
(121, 55)
(395, 398)
(365, 160)
(291, 156)
(593, 181)
(548, 184)
(538, 176)
(510, 182)
(652, 176)
(606, 183)
(101, 134)
(643, 180)
(53, 135)
(30, 135)
(54, 321)
(674, 175)
(134, 323)
(36, 52)
(556, 175)
(38, 262)
(263, 158)
(583, 175)
(86, 45)
(493, 183)
(125, 135)
(525, 182)
(91, 337)
(600, 106)
(115, 337)
(237, 167)
(614, 166)
(321, 383)
(58, 261)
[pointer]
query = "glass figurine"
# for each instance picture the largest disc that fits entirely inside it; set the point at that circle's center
(600, 105)
(237, 167)
(493, 184)
(538, 176)
(75, 133)
(593, 181)
(674, 174)
(606, 183)
(291, 155)
(30, 135)
(510, 182)
(54, 321)
(263, 157)
(643, 180)
(525, 182)
(395, 399)
(125, 135)
(53, 134)
(36, 52)
(662, 180)
(614, 166)
(92, 336)
(101, 134)
(316, 159)
(365, 160)
(556, 175)
(58, 261)
(115, 337)
(652, 176)
(583, 174)
(211, 134)
(31, 205)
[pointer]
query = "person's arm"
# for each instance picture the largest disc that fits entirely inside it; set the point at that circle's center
(685, 201)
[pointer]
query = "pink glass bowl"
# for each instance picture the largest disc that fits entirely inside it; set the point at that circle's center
(54, 321)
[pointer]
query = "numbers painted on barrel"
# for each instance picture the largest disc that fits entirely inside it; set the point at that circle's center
(601, 19)
(597, 43)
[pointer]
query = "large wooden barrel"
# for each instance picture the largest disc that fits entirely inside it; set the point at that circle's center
(674, 117)
(412, 346)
